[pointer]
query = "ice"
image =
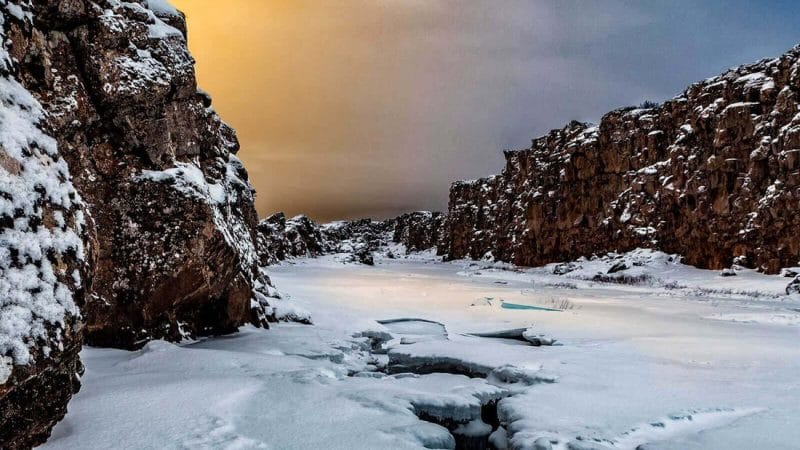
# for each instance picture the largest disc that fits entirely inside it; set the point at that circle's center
(515, 333)
(499, 439)
(470, 356)
(415, 327)
(520, 334)
(766, 317)
(641, 365)
(162, 8)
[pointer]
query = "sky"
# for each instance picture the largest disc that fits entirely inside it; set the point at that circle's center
(370, 108)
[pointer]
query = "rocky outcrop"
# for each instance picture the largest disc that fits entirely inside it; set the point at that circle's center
(359, 237)
(280, 238)
(172, 205)
(419, 231)
(123, 201)
(713, 174)
(45, 257)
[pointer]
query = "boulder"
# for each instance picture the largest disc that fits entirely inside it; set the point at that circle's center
(793, 289)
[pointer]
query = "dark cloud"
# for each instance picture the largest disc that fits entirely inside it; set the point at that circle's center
(370, 108)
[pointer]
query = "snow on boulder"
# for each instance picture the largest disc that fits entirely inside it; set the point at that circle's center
(43, 258)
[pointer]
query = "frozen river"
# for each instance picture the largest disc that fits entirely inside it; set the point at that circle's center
(680, 358)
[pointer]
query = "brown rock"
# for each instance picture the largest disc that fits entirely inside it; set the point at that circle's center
(173, 208)
(418, 231)
(710, 174)
(45, 258)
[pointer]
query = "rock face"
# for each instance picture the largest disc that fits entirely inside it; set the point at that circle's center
(359, 238)
(45, 256)
(794, 287)
(172, 205)
(122, 199)
(713, 174)
(419, 231)
(280, 238)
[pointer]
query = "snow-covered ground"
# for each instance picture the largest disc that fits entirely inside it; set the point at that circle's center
(680, 359)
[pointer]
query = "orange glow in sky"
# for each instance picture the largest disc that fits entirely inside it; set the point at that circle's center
(359, 108)
(317, 99)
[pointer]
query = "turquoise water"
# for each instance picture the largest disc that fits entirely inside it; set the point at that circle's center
(507, 305)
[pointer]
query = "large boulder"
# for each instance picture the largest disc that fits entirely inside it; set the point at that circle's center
(172, 205)
(45, 259)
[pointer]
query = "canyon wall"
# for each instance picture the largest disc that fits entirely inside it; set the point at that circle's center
(170, 202)
(712, 174)
(125, 215)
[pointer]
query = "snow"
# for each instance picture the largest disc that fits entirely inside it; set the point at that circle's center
(162, 8)
(34, 182)
(655, 364)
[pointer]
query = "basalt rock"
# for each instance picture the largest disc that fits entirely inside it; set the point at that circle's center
(172, 205)
(122, 202)
(280, 238)
(419, 231)
(712, 174)
(794, 288)
(45, 255)
(358, 235)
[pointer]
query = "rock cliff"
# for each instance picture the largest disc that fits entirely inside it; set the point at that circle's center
(712, 174)
(124, 212)
(280, 238)
(45, 257)
(172, 205)
(419, 231)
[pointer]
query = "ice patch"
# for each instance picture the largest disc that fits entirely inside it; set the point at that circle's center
(415, 327)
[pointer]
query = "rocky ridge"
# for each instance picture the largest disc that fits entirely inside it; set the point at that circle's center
(712, 174)
(281, 238)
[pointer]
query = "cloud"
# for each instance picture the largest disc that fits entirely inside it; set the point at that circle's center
(352, 108)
